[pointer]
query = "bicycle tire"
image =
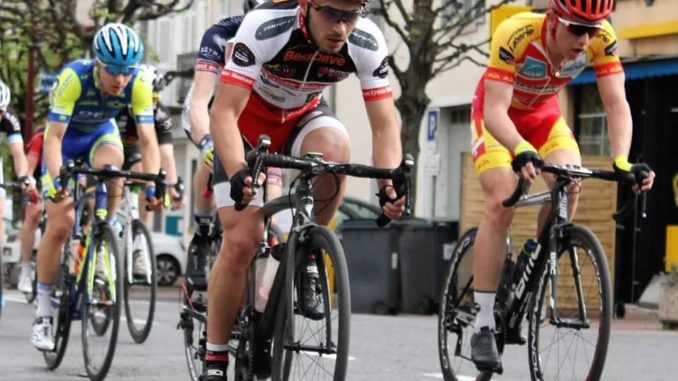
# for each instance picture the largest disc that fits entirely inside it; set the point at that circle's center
(2, 281)
(103, 235)
(291, 326)
(62, 322)
(140, 332)
(595, 274)
(194, 335)
(30, 296)
(456, 314)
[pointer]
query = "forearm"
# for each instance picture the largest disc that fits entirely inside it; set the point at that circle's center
(19, 159)
(32, 163)
(52, 155)
(168, 163)
(386, 147)
(227, 141)
(200, 121)
(501, 127)
(150, 154)
(620, 126)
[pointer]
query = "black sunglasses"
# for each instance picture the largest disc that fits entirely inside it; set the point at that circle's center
(335, 15)
(579, 29)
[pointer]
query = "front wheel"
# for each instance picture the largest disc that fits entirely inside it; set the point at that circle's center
(570, 342)
(313, 348)
(101, 318)
(140, 283)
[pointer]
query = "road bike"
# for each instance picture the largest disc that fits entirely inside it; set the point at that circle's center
(89, 282)
(140, 269)
(563, 291)
(281, 341)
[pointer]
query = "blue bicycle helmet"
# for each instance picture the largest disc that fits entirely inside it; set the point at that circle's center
(117, 44)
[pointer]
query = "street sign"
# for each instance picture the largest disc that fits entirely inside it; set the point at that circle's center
(432, 124)
(432, 164)
(47, 80)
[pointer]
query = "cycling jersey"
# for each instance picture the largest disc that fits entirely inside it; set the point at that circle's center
(212, 52)
(79, 101)
(518, 56)
(211, 58)
(128, 126)
(273, 57)
(34, 149)
(11, 127)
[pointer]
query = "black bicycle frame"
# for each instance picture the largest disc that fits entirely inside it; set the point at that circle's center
(548, 238)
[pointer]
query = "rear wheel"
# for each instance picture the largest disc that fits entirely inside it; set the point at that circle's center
(458, 312)
(193, 323)
(140, 288)
(304, 348)
(570, 342)
(101, 318)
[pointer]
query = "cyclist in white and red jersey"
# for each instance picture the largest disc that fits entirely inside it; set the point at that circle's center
(284, 55)
(516, 121)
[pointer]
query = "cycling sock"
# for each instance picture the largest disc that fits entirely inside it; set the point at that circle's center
(485, 316)
(44, 300)
(26, 267)
(216, 354)
(216, 347)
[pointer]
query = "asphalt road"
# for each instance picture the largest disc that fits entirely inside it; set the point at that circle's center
(384, 348)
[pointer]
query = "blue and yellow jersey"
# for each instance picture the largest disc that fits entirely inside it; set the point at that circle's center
(79, 102)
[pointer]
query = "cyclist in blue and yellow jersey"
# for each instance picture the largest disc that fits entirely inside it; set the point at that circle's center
(88, 95)
(516, 121)
(10, 126)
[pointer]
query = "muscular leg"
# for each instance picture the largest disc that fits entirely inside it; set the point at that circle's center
(335, 147)
(229, 273)
(110, 154)
(31, 220)
(202, 204)
(561, 156)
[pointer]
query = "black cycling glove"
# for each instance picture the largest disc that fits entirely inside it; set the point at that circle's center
(238, 184)
(635, 174)
(525, 157)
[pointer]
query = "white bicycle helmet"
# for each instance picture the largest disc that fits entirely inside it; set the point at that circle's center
(5, 96)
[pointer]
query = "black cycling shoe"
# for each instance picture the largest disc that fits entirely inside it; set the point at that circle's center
(215, 371)
(197, 256)
(309, 293)
(484, 351)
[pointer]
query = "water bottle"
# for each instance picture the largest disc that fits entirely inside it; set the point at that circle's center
(523, 259)
(266, 267)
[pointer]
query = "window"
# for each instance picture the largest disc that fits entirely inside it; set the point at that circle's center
(592, 123)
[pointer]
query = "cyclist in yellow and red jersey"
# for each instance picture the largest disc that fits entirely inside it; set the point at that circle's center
(516, 121)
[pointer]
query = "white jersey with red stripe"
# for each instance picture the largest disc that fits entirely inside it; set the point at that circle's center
(273, 56)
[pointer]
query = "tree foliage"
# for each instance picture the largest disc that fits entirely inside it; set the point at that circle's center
(433, 38)
(50, 30)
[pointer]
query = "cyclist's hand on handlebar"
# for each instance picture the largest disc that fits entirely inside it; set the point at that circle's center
(176, 198)
(392, 206)
(642, 175)
(527, 161)
(154, 202)
(241, 186)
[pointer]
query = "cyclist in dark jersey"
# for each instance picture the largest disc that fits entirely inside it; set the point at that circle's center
(10, 127)
(214, 47)
(163, 132)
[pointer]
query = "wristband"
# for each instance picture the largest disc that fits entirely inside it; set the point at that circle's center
(622, 162)
(523, 146)
(205, 142)
(150, 192)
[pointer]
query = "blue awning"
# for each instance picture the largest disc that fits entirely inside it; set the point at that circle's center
(634, 70)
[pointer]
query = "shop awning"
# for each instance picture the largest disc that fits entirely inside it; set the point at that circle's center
(635, 70)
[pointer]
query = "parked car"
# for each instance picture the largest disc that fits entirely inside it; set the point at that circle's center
(170, 256)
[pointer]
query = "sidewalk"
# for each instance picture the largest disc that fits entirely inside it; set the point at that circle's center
(637, 319)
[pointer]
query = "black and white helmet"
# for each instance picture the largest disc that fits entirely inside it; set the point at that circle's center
(248, 5)
(5, 96)
(157, 78)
